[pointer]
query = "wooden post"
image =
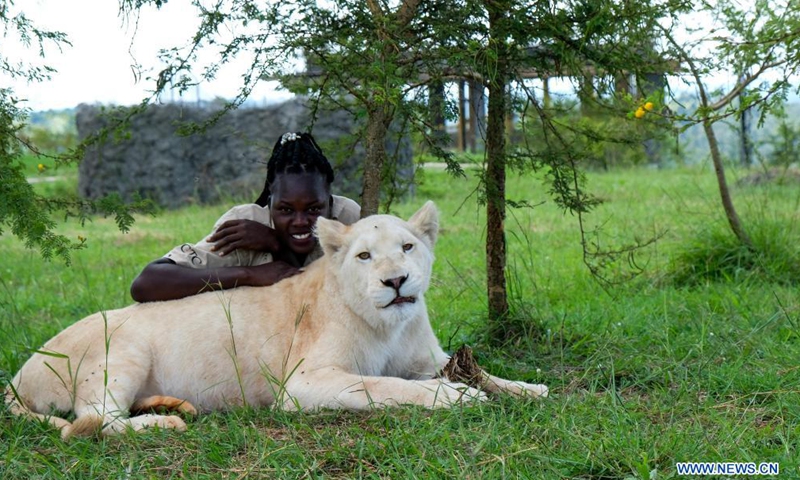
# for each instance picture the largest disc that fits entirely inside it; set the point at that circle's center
(462, 113)
(622, 85)
(436, 110)
(586, 93)
(547, 101)
(509, 121)
(745, 144)
(476, 114)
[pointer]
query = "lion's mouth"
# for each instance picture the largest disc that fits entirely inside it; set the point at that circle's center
(398, 300)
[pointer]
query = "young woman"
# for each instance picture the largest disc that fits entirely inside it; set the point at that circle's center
(256, 244)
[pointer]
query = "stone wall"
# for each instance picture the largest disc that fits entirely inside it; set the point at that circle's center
(226, 162)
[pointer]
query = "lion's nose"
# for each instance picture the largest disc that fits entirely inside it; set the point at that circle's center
(395, 282)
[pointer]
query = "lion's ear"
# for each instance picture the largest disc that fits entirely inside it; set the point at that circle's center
(426, 222)
(330, 234)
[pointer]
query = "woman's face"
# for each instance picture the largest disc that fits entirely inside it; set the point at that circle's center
(298, 200)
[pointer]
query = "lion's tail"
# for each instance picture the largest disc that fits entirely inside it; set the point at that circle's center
(16, 407)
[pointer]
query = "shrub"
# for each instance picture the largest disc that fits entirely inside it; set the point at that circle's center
(714, 253)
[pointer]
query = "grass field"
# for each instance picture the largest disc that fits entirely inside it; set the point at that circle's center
(688, 362)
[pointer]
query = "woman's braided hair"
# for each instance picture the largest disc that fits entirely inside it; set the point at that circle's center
(295, 152)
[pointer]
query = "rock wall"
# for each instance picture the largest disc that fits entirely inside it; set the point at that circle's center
(227, 161)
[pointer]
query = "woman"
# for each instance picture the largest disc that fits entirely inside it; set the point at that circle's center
(256, 244)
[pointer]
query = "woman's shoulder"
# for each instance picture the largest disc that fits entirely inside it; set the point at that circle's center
(345, 210)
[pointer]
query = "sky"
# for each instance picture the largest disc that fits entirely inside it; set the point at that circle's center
(97, 67)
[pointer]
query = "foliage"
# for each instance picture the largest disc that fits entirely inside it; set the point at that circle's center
(367, 61)
(18, 29)
(49, 141)
(374, 61)
(20, 207)
(604, 142)
(370, 62)
(29, 215)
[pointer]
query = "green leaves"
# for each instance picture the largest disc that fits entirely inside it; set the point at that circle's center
(26, 214)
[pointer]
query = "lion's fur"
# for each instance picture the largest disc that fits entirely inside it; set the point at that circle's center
(318, 339)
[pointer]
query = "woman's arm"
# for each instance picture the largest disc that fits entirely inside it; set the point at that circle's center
(163, 279)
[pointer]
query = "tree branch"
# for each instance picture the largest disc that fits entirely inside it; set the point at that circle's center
(730, 96)
(406, 12)
(375, 9)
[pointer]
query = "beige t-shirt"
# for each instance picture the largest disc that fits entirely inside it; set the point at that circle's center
(199, 255)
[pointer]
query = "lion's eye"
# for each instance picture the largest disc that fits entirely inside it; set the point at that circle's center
(363, 255)
(408, 247)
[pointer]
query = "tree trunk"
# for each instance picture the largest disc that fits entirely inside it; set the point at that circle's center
(378, 119)
(746, 145)
(496, 174)
(380, 112)
(724, 192)
(496, 207)
(719, 168)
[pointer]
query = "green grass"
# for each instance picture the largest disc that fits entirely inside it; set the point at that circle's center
(643, 374)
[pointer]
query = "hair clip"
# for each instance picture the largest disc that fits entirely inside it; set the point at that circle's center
(289, 137)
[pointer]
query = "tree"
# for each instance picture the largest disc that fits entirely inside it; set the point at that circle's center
(763, 40)
(363, 60)
(497, 76)
(597, 42)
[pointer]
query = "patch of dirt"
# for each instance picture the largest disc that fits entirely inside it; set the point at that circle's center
(773, 176)
(462, 367)
(134, 237)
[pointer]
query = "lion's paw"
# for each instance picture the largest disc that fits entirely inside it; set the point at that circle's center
(537, 390)
(522, 389)
(143, 422)
(448, 394)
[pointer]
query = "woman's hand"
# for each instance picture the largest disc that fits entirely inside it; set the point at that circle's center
(270, 273)
(246, 234)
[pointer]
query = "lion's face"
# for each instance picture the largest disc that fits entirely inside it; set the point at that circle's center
(383, 264)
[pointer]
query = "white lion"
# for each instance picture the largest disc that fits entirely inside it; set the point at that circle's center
(352, 332)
